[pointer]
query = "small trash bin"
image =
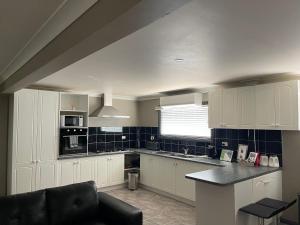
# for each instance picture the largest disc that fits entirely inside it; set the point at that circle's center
(133, 180)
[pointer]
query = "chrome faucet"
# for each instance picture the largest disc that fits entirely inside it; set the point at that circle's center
(186, 150)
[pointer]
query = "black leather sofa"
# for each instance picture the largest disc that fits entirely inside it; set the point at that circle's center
(77, 204)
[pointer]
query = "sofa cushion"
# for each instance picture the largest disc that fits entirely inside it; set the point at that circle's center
(72, 204)
(24, 209)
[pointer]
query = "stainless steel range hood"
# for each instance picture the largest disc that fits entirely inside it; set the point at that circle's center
(107, 110)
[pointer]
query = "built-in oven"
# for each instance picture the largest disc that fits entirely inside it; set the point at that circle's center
(73, 140)
(71, 121)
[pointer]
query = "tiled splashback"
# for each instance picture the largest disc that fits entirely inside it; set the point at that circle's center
(267, 141)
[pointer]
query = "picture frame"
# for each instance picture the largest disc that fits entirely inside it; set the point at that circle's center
(226, 155)
(242, 152)
(252, 157)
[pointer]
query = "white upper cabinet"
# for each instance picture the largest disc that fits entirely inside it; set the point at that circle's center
(286, 105)
(48, 127)
(268, 106)
(222, 108)
(214, 107)
(246, 107)
(229, 108)
(277, 106)
(265, 106)
(24, 126)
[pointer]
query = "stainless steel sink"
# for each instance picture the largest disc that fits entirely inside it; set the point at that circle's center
(181, 155)
(162, 153)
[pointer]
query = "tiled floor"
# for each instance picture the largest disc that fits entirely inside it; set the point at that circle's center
(157, 209)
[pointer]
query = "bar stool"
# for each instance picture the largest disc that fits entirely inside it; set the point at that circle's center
(267, 208)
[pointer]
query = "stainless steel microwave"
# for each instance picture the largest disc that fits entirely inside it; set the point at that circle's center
(71, 121)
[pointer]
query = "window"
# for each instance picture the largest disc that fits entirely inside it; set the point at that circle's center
(185, 120)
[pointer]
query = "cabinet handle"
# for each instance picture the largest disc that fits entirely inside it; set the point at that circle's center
(32, 162)
(266, 181)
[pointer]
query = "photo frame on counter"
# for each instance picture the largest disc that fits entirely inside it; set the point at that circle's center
(242, 152)
(252, 157)
(226, 155)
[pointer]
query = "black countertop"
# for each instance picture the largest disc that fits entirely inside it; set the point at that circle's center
(230, 174)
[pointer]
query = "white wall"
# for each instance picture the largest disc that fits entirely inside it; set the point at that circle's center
(3, 141)
(291, 169)
(148, 117)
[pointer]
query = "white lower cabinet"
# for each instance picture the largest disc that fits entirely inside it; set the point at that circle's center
(168, 175)
(46, 175)
(23, 179)
(86, 170)
(109, 170)
(68, 172)
(116, 169)
(104, 170)
(147, 172)
(267, 186)
(101, 171)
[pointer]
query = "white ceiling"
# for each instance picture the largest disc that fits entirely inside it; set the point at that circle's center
(19, 21)
(217, 40)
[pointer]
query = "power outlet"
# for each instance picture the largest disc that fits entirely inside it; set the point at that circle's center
(152, 138)
(224, 144)
(123, 137)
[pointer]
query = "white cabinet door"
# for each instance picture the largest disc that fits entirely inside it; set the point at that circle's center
(146, 170)
(23, 179)
(185, 188)
(229, 108)
(246, 107)
(116, 169)
(48, 105)
(86, 170)
(101, 171)
(286, 101)
(68, 172)
(46, 175)
(214, 108)
(265, 106)
(268, 186)
(164, 174)
(25, 123)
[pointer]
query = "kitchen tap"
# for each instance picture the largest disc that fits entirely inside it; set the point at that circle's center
(186, 150)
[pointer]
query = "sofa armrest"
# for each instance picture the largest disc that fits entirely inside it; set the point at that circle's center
(115, 211)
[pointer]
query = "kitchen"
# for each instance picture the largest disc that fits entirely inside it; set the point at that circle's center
(99, 153)
(204, 126)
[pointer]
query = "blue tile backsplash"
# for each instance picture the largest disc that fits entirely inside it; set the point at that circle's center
(267, 141)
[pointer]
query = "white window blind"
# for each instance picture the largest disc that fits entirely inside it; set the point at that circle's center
(184, 120)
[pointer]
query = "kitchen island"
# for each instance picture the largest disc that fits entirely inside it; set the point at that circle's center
(222, 191)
